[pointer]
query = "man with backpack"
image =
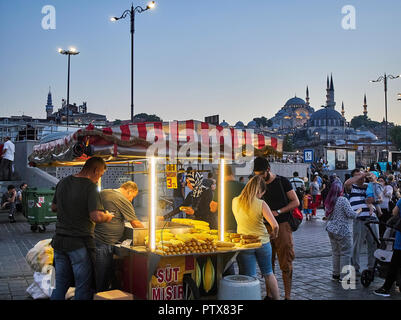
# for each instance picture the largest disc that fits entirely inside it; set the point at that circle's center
(282, 200)
(298, 185)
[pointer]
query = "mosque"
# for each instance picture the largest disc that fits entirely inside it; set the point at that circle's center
(294, 114)
(298, 118)
(323, 124)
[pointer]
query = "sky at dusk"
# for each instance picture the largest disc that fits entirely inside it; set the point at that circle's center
(194, 58)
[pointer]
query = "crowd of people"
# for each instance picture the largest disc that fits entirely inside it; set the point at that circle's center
(90, 223)
(365, 196)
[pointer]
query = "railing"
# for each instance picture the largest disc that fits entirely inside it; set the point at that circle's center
(34, 131)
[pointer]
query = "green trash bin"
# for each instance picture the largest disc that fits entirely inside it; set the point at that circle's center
(37, 208)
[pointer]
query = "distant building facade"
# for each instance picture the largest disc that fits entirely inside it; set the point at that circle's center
(77, 115)
(24, 127)
(294, 114)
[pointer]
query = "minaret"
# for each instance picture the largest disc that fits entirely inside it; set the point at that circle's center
(307, 96)
(49, 105)
(365, 107)
(342, 110)
(328, 91)
(330, 103)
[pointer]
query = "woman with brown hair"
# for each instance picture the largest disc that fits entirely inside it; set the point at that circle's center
(249, 210)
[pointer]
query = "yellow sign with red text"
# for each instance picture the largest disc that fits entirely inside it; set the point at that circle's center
(171, 176)
(167, 282)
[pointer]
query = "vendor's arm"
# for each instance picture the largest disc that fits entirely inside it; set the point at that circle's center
(128, 212)
(187, 203)
(214, 205)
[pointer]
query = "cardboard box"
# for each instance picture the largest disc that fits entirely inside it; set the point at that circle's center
(113, 295)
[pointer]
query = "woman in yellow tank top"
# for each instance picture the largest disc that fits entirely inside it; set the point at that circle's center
(249, 210)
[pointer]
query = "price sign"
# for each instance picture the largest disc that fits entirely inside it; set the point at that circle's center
(171, 176)
(171, 168)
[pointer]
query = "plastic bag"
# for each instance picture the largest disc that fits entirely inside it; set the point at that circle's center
(40, 255)
(44, 283)
(35, 292)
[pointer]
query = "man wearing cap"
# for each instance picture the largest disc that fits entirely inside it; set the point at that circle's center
(282, 199)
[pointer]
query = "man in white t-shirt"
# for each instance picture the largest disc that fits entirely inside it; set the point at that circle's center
(7, 161)
(299, 187)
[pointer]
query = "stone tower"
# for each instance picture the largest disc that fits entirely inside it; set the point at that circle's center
(365, 106)
(342, 110)
(307, 96)
(49, 105)
(330, 103)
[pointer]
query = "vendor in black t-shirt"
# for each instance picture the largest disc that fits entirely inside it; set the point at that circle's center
(197, 201)
(282, 199)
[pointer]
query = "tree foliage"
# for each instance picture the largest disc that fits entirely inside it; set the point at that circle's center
(363, 121)
(288, 144)
(262, 122)
(144, 117)
(395, 134)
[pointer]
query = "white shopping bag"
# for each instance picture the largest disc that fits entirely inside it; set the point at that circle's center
(36, 292)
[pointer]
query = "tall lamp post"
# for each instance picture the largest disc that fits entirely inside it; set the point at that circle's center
(384, 79)
(69, 53)
(131, 13)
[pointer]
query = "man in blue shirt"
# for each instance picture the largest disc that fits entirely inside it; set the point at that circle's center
(395, 265)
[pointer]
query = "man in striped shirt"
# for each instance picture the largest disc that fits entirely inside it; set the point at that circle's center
(356, 187)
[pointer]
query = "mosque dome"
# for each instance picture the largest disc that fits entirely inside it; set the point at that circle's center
(319, 117)
(295, 102)
(252, 124)
(224, 124)
(239, 124)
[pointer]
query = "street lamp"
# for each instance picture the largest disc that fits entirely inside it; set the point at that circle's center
(131, 13)
(70, 52)
(384, 79)
(399, 99)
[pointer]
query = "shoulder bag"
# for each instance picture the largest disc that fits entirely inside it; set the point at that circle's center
(295, 217)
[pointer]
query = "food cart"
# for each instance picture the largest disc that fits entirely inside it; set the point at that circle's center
(167, 260)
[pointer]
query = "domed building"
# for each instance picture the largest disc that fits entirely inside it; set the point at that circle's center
(294, 114)
(327, 123)
(224, 124)
(252, 124)
(239, 125)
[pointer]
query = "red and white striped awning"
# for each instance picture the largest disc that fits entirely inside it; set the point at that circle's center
(177, 138)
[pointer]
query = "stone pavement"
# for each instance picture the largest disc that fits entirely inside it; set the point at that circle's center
(312, 266)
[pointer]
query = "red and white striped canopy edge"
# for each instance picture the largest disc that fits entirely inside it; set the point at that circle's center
(175, 131)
